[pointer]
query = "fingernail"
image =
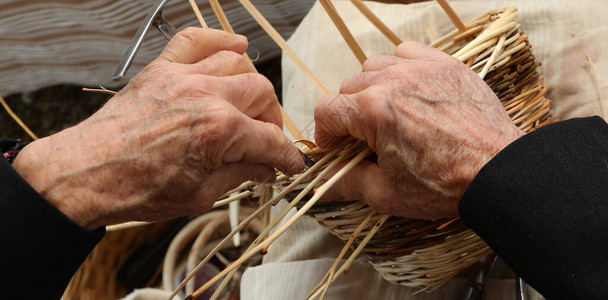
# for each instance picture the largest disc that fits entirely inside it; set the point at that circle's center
(241, 37)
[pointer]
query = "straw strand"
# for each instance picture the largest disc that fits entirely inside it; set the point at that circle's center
(17, 119)
(346, 34)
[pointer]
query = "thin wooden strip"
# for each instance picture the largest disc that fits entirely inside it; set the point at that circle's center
(198, 244)
(283, 44)
(346, 265)
(497, 49)
(508, 43)
(452, 15)
(445, 38)
(431, 34)
(447, 46)
(480, 48)
(291, 126)
(470, 32)
(198, 14)
(282, 194)
(221, 16)
(346, 247)
(320, 192)
(482, 38)
(481, 20)
(17, 119)
(344, 31)
(545, 109)
(531, 104)
(521, 96)
(101, 90)
(377, 22)
(126, 225)
(513, 48)
(508, 15)
(229, 200)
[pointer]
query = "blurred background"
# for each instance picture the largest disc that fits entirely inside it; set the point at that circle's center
(51, 49)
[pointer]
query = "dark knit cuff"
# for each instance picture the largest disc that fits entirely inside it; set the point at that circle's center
(542, 205)
(41, 247)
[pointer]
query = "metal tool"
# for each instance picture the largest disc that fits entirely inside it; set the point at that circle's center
(474, 289)
(520, 289)
(308, 162)
(155, 17)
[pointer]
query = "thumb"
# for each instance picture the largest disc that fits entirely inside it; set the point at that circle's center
(366, 182)
(265, 143)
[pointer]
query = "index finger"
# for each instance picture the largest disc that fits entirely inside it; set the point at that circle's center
(264, 143)
(250, 93)
(192, 45)
(415, 50)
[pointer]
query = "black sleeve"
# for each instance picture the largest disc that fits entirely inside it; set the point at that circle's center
(542, 205)
(40, 248)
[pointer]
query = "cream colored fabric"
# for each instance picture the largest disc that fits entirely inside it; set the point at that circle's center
(149, 294)
(562, 33)
(81, 42)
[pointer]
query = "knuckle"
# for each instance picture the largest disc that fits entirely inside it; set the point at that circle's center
(373, 104)
(224, 116)
(372, 60)
(220, 125)
(231, 57)
(404, 75)
(380, 202)
(259, 82)
(404, 45)
(318, 110)
(271, 136)
(322, 106)
(375, 60)
(396, 71)
(374, 201)
(350, 84)
(187, 34)
(189, 85)
(184, 38)
(346, 84)
(221, 63)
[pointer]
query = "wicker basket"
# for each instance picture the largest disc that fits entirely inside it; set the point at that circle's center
(95, 279)
(425, 254)
(415, 253)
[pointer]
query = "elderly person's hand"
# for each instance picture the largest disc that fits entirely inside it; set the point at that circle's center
(196, 122)
(432, 122)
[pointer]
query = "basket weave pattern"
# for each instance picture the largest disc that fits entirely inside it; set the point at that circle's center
(95, 279)
(425, 254)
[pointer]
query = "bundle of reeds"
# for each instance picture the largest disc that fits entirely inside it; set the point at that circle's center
(416, 253)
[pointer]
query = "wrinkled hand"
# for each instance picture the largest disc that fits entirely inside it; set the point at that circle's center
(195, 122)
(432, 122)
